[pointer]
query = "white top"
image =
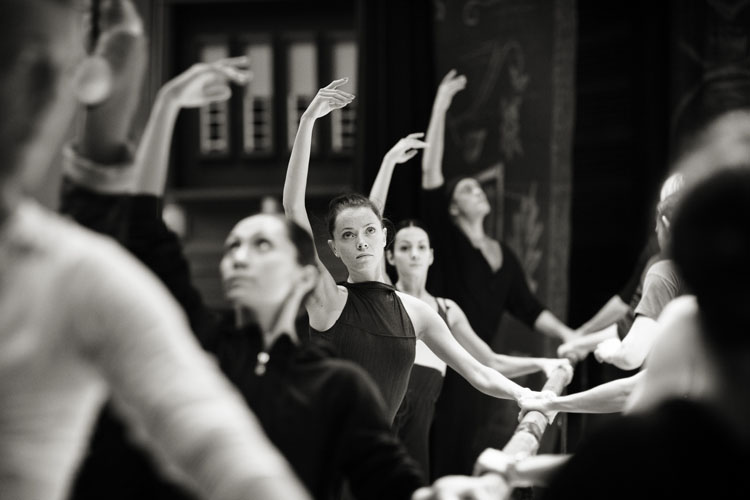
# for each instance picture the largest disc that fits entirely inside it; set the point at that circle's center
(80, 318)
(678, 364)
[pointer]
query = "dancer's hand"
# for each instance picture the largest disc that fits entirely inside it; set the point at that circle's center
(486, 487)
(327, 99)
(497, 461)
(606, 350)
(204, 83)
(539, 401)
(405, 149)
(573, 350)
(550, 365)
(449, 86)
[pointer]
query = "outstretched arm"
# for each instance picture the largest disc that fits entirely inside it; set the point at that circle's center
(610, 313)
(548, 324)
(326, 296)
(433, 331)
(432, 160)
(534, 470)
(632, 351)
(510, 366)
(605, 398)
(404, 150)
(580, 347)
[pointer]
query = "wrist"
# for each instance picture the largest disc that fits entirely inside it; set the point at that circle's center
(307, 118)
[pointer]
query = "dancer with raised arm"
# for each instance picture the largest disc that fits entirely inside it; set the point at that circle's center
(368, 321)
(480, 274)
(324, 414)
(411, 255)
(80, 319)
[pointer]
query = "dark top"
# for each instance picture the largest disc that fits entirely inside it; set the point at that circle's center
(324, 414)
(375, 332)
(680, 450)
(460, 272)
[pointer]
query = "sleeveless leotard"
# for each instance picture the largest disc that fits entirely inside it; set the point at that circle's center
(375, 331)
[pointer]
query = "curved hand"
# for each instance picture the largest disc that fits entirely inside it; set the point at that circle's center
(450, 85)
(204, 83)
(492, 460)
(538, 401)
(606, 350)
(573, 350)
(327, 99)
(487, 487)
(550, 365)
(405, 149)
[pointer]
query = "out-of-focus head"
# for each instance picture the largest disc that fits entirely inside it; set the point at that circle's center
(358, 236)
(41, 45)
(410, 252)
(467, 198)
(265, 256)
(664, 212)
(711, 247)
(671, 185)
(723, 143)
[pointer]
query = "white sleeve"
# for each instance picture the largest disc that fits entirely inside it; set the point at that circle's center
(167, 388)
(677, 365)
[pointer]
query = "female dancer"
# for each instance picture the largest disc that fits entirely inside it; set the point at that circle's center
(411, 254)
(484, 277)
(324, 414)
(368, 321)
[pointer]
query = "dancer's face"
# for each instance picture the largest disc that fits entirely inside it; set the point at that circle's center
(260, 266)
(469, 199)
(358, 239)
(411, 254)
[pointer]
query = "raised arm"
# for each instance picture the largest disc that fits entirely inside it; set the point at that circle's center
(104, 129)
(432, 160)
(404, 150)
(200, 85)
(326, 100)
(433, 331)
(326, 296)
(510, 366)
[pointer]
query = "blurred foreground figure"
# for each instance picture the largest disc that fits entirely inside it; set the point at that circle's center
(80, 319)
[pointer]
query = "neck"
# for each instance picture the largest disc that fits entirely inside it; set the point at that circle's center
(267, 319)
(365, 275)
(472, 228)
(412, 284)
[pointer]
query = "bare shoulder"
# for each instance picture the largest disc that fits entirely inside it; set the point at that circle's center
(325, 306)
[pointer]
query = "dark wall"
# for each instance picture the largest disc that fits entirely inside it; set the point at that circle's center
(620, 149)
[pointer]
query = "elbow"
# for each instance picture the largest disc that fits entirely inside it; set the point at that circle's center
(627, 361)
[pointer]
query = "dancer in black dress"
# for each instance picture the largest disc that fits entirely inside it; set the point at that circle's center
(324, 414)
(484, 277)
(368, 321)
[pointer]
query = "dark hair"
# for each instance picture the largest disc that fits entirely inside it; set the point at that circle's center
(451, 185)
(28, 76)
(409, 223)
(711, 248)
(301, 239)
(344, 201)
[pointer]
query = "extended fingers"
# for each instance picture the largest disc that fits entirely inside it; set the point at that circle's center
(337, 83)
